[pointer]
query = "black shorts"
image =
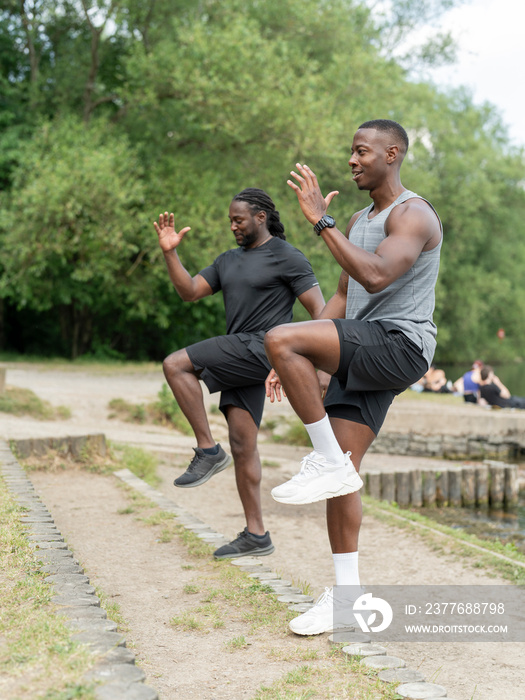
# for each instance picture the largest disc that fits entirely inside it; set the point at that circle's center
(237, 366)
(377, 363)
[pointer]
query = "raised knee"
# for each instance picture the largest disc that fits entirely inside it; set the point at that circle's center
(175, 363)
(275, 340)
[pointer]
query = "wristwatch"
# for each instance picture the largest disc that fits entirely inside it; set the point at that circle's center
(325, 222)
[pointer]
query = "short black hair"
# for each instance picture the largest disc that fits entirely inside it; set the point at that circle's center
(391, 127)
(485, 371)
(259, 200)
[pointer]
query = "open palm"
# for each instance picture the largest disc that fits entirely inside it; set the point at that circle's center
(168, 236)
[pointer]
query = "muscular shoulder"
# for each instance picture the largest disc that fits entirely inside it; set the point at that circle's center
(415, 217)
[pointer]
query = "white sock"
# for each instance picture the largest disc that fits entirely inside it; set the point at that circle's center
(324, 441)
(346, 569)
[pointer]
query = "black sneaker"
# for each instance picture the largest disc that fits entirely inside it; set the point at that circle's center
(246, 545)
(202, 467)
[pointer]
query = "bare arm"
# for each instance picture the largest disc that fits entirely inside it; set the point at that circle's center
(336, 305)
(412, 227)
(313, 301)
(188, 288)
(504, 392)
(459, 385)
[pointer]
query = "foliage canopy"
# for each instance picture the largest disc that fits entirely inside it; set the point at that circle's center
(114, 110)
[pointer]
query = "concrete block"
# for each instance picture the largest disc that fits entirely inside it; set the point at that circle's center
(380, 662)
(482, 485)
(442, 487)
(468, 486)
(77, 446)
(111, 673)
(511, 485)
(429, 488)
(126, 691)
(401, 675)
(40, 446)
(388, 487)
(416, 488)
(97, 444)
(496, 484)
(364, 650)
(421, 691)
(373, 485)
(23, 448)
(454, 487)
(402, 488)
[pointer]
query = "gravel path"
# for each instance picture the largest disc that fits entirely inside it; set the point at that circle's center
(146, 580)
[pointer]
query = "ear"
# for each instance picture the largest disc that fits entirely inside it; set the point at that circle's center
(392, 154)
(261, 217)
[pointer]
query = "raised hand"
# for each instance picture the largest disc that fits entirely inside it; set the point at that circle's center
(168, 236)
(309, 194)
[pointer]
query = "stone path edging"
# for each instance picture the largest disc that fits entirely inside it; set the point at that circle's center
(114, 669)
(412, 683)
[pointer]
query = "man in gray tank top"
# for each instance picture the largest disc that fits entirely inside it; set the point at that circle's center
(375, 338)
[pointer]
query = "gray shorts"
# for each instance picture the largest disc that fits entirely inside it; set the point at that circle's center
(377, 363)
(237, 366)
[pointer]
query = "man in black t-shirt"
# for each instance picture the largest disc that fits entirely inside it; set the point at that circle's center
(494, 393)
(260, 281)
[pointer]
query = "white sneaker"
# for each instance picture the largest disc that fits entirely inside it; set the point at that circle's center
(317, 480)
(320, 618)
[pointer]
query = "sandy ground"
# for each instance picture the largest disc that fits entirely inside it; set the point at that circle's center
(146, 578)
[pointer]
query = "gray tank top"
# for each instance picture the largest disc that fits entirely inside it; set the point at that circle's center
(408, 303)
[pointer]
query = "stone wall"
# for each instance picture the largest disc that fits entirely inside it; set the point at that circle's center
(450, 446)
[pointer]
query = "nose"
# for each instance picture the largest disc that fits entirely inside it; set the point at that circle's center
(352, 161)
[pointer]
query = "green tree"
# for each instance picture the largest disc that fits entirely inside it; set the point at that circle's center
(72, 227)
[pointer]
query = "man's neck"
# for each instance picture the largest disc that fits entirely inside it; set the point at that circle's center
(260, 240)
(385, 195)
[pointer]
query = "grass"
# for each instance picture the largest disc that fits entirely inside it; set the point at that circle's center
(142, 463)
(334, 676)
(37, 656)
(164, 411)
(481, 553)
(95, 364)
(294, 432)
(24, 402)
(219, 596)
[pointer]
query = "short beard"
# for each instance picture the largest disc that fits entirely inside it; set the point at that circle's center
(247, 240)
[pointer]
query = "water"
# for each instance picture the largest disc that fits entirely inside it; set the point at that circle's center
(500, 525)
(513, 376)
(505, 526)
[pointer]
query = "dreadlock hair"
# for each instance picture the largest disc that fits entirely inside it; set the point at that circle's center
(258, 200)
(391, 127)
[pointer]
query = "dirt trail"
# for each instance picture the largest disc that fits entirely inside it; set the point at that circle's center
(147, 578)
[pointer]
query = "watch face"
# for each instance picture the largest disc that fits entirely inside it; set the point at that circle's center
(325, 222)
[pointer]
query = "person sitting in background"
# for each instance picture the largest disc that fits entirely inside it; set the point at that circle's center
(433, 380)
(468, 384)
(493, 393)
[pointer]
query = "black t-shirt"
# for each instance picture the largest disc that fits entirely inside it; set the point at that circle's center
(260, 285)
(492, 395)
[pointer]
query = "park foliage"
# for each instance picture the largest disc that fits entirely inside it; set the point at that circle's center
(115, 110)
